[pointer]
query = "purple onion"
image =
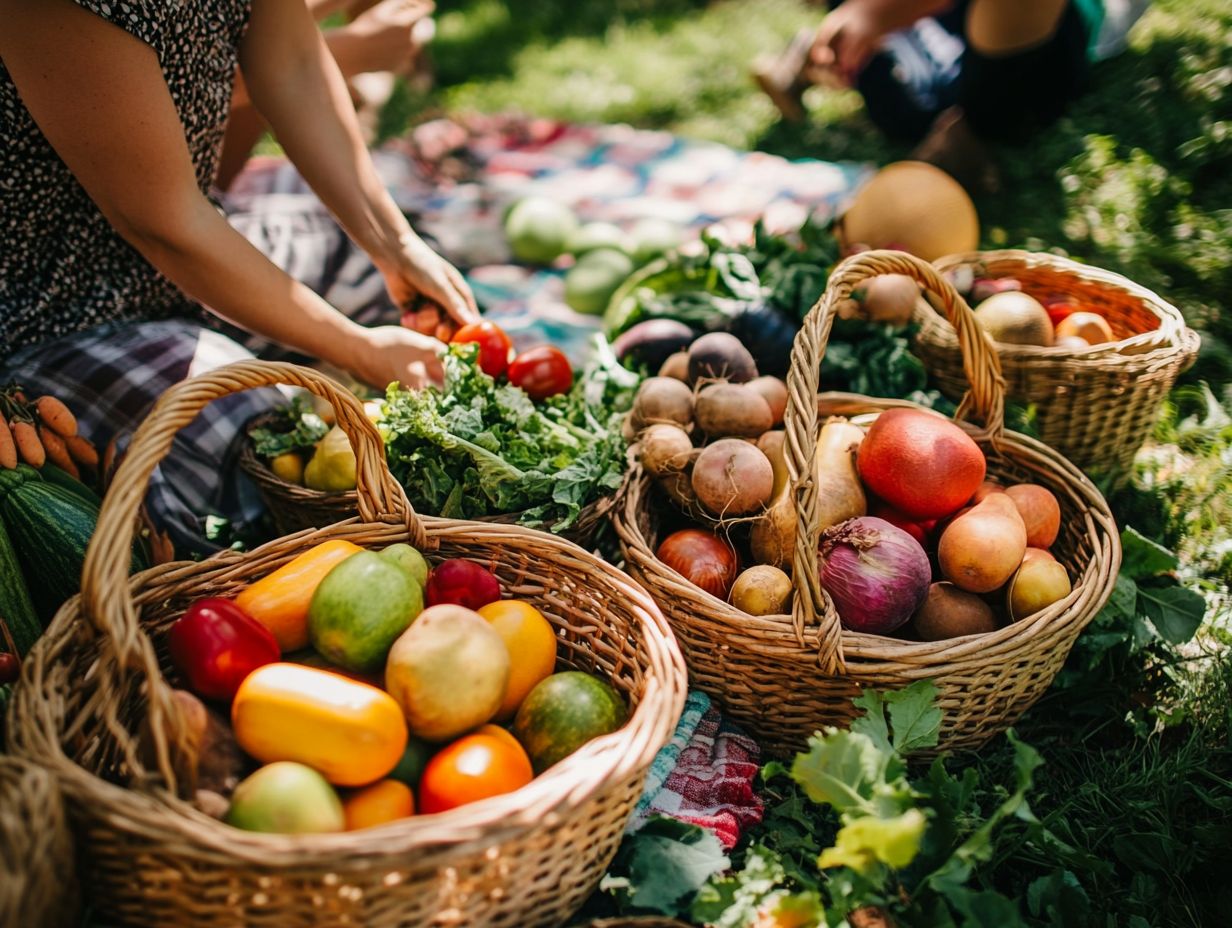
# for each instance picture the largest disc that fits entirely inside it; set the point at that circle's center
(876, 573)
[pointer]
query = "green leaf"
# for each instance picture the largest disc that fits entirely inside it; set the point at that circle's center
(1175, 611)
(915, 718)
(841, 769)
(985, 909)
(873, 723)
(1141, 557)
(1059, 899)
(867, 840)
(662, 866)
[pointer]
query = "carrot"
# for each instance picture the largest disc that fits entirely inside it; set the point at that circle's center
(8, 450)
(28, 444)
(56, 416)
(82, 451)
(57, 453)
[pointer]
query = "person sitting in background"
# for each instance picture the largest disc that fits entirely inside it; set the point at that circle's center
(949, 76)
(111, 120)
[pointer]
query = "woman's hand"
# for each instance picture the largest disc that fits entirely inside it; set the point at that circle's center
(845, 41)
(388, 353)
(417, 276)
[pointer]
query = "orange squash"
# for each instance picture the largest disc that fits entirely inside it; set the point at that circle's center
(280, 600)
(350, 732)
(383, 801)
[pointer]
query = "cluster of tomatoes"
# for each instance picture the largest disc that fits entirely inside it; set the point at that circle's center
(541, 372)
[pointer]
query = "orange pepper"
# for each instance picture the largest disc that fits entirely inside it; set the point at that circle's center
(351, 733)
(383, 801)
(280, 600)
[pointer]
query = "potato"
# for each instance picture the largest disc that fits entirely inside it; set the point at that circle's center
(731, 410)
(676, 367)
(762, 590)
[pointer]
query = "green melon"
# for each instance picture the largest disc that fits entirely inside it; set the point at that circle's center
(286, 798)
(563, 712)
(538, 229)
(360, 609)
(590, 283)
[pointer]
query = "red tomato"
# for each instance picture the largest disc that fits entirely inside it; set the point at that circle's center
(494, 345)
(541, 372)
(472, 768)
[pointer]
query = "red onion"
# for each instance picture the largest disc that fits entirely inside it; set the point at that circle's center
(877, 574)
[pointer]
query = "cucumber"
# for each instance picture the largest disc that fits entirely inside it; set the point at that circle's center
(16, 607)
(50, 529)
(62, 478)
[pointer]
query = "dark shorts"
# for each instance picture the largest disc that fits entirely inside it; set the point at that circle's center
(929, 67)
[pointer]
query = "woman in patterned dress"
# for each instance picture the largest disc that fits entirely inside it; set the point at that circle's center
(115, 264)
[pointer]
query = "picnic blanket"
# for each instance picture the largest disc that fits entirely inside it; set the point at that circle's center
(455, 178)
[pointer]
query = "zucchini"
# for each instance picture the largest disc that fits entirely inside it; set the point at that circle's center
(62, 478)
(16, 607)
(50, 529)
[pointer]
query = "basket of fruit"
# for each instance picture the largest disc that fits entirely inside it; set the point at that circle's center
(1092, 354)
(220, 774)
(892, 577)
(37, 888)
(527, 444)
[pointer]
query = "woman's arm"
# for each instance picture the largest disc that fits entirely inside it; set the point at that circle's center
(99, 97)
(295, 84)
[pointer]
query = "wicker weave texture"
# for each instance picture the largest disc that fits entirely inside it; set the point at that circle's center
(784, 677)
(151, 859)
(37, 888)
(1096, 405)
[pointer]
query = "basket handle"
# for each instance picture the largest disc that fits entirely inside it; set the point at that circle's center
(107, 598)
(985, 398)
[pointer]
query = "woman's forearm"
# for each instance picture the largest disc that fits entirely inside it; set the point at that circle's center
(296, 85)
(214, 264)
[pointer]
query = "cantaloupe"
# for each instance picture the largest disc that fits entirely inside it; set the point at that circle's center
(915, 207)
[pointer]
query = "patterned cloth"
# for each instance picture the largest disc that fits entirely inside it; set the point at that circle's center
(704, 775)
(63, 268)
(456, 177)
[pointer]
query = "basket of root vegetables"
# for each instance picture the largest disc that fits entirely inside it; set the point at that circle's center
(1092, 354)
(866, 543)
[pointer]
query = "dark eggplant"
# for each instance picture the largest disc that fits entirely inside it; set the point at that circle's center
(650, 343)
(766, 331)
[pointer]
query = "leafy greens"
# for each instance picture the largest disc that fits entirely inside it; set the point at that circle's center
(478, 448)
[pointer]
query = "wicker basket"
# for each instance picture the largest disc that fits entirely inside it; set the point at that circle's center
(294, 508)
(37, 888)
(151, 859)
(1096, 405)
(784, 677)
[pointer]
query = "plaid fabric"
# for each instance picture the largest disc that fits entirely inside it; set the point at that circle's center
(110, 376)
(704, 775)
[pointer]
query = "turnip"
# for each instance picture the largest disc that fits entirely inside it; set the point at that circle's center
(732, 478)
(728, 409)
(774, 392)
(665, 449)
(720, 356)
(662, 399)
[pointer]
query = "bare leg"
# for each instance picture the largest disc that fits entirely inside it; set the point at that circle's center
(998, 28)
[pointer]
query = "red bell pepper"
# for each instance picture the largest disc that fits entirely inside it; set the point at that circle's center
(216, 644)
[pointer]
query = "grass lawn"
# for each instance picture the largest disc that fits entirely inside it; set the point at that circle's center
(1137, 178)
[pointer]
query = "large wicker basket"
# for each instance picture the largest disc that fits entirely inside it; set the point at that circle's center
(151, 859)
(37, 888)
(1096, 405)
(784, 677)
(294, 508)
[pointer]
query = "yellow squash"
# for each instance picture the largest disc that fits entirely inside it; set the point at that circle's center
(280, 600)
(350, 732)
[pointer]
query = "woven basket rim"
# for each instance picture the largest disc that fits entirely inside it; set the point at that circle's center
(1145, 348)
